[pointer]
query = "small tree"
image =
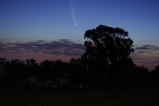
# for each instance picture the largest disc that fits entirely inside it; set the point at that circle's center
(106, 46)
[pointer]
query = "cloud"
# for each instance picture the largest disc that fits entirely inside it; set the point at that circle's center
(147, 56)
(147, 47)
(63, 49)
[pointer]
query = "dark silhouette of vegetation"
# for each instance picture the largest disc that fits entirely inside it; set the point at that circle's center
(106, 48)
(106, 63)
(107, 45)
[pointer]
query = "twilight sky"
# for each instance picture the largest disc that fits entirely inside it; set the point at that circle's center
(39, 22)
(29, 20)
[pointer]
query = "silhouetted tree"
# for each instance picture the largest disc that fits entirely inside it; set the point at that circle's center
(105, 47)
(155, 76)
(2, 65)
(79, 76)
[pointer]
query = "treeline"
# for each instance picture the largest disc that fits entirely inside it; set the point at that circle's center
(57, 74)
(105, 63)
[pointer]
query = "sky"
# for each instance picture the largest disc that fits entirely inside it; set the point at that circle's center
(29, 20)
(37, 23)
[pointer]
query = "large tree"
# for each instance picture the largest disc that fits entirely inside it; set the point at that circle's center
(106, 46)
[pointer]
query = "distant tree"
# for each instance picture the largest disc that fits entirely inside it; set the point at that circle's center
(79, 75)
(3, 63)
(32, 67)
(155, 74)
(105, 47)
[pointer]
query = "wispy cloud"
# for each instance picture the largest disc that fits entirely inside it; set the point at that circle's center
(62, 46)
(147, 47)
(146, 55)
(64, 49)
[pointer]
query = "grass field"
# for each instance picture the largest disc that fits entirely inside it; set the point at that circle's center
(109, 97)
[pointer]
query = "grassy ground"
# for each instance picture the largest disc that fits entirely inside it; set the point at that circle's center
(109, 97)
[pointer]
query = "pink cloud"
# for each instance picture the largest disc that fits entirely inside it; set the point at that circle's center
(148, 59)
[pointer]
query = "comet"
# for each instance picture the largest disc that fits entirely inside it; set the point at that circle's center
(72, 11)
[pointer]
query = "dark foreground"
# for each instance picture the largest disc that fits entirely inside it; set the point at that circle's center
(107, 97)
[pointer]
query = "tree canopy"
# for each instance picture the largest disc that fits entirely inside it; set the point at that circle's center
(107, 45)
